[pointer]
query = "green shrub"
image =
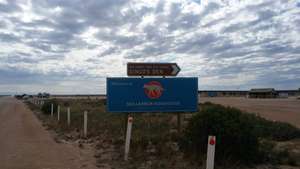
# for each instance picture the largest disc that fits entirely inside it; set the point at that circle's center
(46, 108)
(237, 134)
(234, 131)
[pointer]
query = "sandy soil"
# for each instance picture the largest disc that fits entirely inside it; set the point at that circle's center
(286, 110)
(25, 144)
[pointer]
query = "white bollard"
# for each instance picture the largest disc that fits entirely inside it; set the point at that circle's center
(128, 137)
(211, 152)
(85, 124)
(58, 113)
(69, 116)
(52, 110)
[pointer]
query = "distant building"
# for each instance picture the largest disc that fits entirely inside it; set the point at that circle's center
(253, 93)
(291, 93)
(262, 93)
(223, 93)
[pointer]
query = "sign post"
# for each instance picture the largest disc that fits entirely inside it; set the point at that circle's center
(137, 95)
(211, 152)
(128, 137)
(152, 69)
(132, 95)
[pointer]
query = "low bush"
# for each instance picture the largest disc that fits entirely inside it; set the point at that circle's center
(234, 131)
(237, 134)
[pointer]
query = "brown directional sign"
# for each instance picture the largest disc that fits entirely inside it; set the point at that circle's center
(152, 69)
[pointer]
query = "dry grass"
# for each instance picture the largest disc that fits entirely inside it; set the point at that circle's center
(154, 136)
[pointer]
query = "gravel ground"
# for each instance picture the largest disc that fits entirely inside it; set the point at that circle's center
(25, 144)
(285, 110)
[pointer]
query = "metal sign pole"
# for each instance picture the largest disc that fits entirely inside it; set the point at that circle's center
(128, 137)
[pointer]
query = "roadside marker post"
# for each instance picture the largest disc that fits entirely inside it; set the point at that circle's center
(211, 152)
(52, 110)
(85, 123)
(58, 113)
(69, 116)
(128, 137)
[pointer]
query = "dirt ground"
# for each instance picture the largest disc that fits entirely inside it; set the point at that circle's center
(285, 110)
(25, 144)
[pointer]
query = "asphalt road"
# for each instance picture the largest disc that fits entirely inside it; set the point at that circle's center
(25, 144)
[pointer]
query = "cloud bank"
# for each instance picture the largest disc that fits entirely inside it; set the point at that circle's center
(71, 46)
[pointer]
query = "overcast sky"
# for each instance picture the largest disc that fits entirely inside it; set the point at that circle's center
(71, 46)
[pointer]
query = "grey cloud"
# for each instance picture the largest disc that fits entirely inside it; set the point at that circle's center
(2, 24)
(19, 58)
(9, 38)
(260, 5)
(153, 41)
(123, 41)
(178, 20)
(109, 51)
(10, 7)
(15, 58)
(211, 7)
(20, 76)
(185, 21)
(196, 44)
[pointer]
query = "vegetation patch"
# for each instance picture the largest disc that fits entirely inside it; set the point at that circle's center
(239, 136)
(242, 138)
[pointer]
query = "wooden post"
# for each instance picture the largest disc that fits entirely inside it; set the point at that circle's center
(52, 107)
(69, 116)
(58, 113)
(211, 152)
(85, 123)
(128, 137)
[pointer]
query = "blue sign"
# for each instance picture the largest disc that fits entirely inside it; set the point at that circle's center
(152, 94)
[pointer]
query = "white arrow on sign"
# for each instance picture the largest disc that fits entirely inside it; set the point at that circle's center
(176, 69)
